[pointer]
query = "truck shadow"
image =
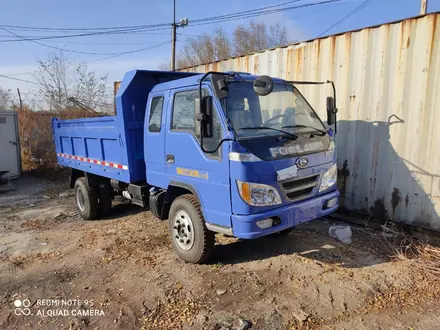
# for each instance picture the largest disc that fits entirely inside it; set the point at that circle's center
(377, 180)
(309, 242)
(122, 208)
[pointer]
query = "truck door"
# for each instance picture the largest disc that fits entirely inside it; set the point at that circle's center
(206, 174)
(154, 142)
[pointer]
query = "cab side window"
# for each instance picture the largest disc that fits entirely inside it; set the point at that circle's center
(183, 111)
(156, 110)
(183, 119)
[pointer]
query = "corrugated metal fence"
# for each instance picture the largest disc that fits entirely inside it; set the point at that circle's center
(388, 95)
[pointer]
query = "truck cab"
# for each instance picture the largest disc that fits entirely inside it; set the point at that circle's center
(266, 165)
(231, 153)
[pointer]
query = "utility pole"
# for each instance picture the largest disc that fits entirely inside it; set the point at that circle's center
(423, 7)
(183, 22)
(173, 40)
(19, 98)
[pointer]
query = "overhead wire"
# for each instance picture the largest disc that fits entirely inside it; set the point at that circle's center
(87, 62)
(18, 79)
(268, 12)
(46, 37)
(164, 26)
(31, 38)
(244, 12)
(71, 50)
(125, 53)
(122, 28)
(36, 83)
(35, 28)
(295, 17)
(362, 5)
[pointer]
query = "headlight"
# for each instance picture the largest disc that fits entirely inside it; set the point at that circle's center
(257, 194)
(329, 178)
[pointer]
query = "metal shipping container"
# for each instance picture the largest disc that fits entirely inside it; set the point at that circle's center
(10, 162)
(388, 88)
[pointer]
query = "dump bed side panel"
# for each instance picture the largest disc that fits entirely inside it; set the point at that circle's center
(92, 145)
(112, 146)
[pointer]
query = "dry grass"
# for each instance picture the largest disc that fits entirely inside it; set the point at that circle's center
(421, 254)
(36, 139)
(173, 312)
(426, 258)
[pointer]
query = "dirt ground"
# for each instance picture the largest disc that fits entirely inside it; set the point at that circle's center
(126, 276)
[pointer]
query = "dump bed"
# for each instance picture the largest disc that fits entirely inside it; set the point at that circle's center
(112, 146)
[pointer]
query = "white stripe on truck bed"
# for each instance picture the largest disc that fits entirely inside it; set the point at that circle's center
(95, 161)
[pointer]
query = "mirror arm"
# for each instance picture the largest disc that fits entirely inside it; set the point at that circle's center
(203, 115)
(335, 110)
(200, 117)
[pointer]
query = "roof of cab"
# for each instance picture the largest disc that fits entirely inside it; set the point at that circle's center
(194, 81)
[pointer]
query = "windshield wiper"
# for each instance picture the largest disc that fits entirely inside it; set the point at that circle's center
(293, 136)
(305, 126)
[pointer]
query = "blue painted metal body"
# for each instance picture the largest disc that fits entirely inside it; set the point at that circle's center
(138, 155)
(113, 139)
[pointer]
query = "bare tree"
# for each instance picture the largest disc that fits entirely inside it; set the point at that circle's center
(205, 48)
(5, 99)
(278, 36)
(218, 45)
(222, 43)
(257, 37)
(165, 65)
(61, 79)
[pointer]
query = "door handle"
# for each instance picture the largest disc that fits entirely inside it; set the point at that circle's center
(170, 159)
(12, 142)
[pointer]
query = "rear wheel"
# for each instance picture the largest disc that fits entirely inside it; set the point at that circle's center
(192, 241)
(86, 200)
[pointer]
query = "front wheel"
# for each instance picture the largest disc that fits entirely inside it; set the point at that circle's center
(191, 239)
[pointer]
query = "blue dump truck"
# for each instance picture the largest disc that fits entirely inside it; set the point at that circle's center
(221, 152)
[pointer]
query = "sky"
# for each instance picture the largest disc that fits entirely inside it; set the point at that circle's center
(19, 59)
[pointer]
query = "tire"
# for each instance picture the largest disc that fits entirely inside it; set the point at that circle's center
(86, 200)
(192, 241)
(105, 200)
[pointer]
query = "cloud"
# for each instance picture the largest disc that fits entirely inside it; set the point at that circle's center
(117, 68)
(19, 72)
(296, 33)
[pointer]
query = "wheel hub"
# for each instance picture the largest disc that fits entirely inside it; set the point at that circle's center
(80, 200)
(183, 230)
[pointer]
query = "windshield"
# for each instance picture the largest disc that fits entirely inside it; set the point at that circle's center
(283, 109)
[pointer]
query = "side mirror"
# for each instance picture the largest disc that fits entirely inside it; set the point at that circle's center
(331, 111)
(208, 122)
(263, 85)
(204, 119)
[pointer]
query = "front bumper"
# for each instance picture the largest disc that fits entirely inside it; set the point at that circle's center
(244, 226)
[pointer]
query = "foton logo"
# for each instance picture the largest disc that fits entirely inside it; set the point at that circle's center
(302, 162)
(296, 149)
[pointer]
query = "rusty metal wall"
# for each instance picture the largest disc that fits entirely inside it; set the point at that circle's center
(388, 94)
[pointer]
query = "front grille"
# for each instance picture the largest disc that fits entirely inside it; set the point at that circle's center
(300, 188)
